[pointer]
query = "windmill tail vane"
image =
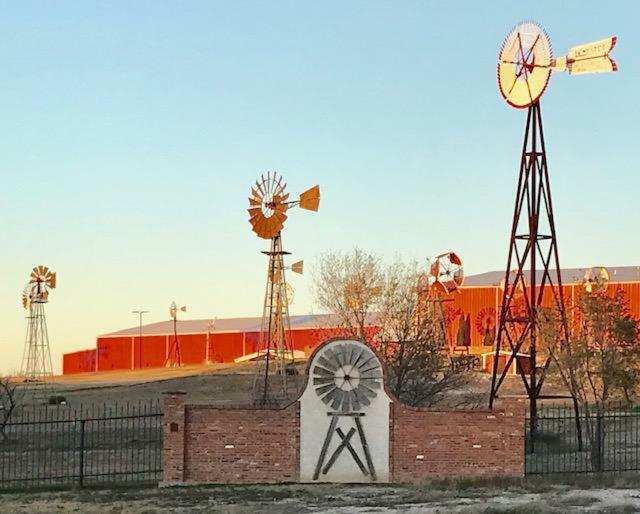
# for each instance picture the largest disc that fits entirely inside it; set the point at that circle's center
(588, 58)
(310, 199)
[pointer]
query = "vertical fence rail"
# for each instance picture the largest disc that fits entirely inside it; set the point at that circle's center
(62, 446)
(610, 440)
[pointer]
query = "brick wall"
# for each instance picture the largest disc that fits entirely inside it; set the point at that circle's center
(231, 445)
(173, 437)
(437, 444)
(247, 445)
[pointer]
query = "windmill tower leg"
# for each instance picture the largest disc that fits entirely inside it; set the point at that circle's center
(533, 253)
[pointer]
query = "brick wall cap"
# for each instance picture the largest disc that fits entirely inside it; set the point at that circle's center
(249, 407)
(450, 410)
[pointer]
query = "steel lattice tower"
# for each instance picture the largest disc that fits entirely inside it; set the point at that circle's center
(36, 358)
(533, 253)
(270, 384)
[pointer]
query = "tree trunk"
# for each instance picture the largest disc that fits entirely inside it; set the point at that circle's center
(576, 410)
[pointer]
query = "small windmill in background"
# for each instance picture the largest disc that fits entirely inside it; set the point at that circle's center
(268, 206)
(596, 279)
(36, 359)
(211, 326)
(445, 277)
(174, 358)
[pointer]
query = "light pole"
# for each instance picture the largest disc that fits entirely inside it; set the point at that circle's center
(140, 313)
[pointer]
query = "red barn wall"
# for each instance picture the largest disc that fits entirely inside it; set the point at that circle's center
(193, 348)
(114, 353)
(79, 362)
(153, 352)
(479, 306)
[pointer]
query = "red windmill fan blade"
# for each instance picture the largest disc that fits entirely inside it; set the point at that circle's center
(439, 286)
(453, 257)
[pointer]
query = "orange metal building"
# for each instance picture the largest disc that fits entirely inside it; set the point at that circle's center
(477, 304)
(472, 314)
(227, 340)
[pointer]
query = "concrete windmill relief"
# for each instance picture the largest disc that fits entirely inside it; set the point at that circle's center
(344, 416)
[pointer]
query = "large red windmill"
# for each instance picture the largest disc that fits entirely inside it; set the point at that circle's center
(524, 68)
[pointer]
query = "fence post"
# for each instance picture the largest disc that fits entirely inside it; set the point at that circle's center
(81, 471)
(599, 441)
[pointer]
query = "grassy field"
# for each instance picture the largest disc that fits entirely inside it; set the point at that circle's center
(605, 493)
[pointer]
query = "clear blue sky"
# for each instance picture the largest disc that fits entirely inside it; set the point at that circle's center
(131, 133)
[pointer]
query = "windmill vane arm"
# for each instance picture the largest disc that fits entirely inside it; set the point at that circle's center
(588, 58)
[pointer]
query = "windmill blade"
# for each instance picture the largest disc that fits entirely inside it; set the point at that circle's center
(310, 199)
(52, 280)
(183, 308)
(453, 257)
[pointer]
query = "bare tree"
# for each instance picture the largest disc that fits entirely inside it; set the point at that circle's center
(602, 361)
(349, 286)
(382, 306)
(9, 400)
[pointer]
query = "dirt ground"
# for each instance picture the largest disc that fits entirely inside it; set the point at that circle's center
(222, 385)
(531, 495)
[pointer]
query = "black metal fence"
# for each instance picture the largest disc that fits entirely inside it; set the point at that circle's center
(63, 446)
(606, 442)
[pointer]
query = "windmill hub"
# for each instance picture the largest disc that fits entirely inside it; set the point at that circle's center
(347, 377)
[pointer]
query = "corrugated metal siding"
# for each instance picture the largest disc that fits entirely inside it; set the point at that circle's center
(153, 352)
(479, 303)
(114, 353)
(79, 362)
(226, 347)
(193, 348)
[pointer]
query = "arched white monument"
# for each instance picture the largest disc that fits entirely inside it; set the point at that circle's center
(344, 416)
